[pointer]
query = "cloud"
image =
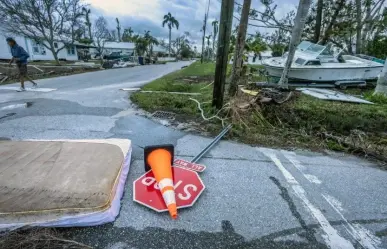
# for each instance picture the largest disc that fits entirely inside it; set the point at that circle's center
(148, 15)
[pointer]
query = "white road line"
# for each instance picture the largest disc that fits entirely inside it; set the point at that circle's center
(331, 236)
(312, 178)
(291, 157)
(361, 234)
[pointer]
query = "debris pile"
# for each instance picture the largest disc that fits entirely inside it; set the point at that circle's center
(8, 73)
(263, 96)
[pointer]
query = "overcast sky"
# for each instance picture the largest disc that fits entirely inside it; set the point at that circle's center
(148, 14)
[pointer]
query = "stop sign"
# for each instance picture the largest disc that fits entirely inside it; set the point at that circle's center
(188, 188)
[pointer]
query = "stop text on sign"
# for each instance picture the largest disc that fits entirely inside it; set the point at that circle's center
(148, 181)
(187, 183)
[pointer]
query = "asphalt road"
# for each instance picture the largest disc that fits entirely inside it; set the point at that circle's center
(254, 197)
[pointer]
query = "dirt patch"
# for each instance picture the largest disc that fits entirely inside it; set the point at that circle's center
(195, 79)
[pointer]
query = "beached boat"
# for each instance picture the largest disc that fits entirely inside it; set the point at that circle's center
(317, 63)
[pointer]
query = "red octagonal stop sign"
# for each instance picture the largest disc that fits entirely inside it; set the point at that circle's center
(188, 187)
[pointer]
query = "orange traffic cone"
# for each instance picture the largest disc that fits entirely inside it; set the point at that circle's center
(160, 162)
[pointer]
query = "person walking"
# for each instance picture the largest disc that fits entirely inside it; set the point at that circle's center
(20, 56)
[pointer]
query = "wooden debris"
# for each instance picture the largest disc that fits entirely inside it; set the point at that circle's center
(37, 68)
(4, 79)
(249, 92)
(207, 86)
(243, 105)
(265, 100)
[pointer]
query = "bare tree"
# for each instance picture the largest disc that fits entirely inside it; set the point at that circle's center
(86, 13)
(299, 23)
(46, 22)
(100, 35)
(267, 18)
(328, 32)
(381, 87)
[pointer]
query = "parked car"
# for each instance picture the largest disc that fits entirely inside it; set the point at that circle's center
(112, 56)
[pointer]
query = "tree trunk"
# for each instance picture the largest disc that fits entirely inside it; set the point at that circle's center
(90, 36)
(239, 49)
(119, 34)
(381, 87)
(55, 54)
(317, 28)
(299, 24)
(225, 27)
(170, 40)
(358, 27)
(328, 31)
(213, 47)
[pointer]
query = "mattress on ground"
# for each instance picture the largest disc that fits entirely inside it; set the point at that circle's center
(62, 183)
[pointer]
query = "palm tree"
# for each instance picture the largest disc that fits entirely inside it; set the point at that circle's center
(127, 36)
(215, 24)
(88, 23)
(257, 45)
(150, 41)
(171, 22)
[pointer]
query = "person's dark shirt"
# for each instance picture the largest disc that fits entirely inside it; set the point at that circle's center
(20, 54)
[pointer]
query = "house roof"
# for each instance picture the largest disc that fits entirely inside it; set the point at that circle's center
(119, 45)
(83, 45)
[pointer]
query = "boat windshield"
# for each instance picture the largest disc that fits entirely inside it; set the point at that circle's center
(311, 49)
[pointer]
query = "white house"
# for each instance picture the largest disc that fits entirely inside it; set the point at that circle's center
(257, 60)
(126, 48)
(37, 51)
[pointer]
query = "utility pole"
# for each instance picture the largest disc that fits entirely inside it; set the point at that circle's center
(226, 16)
(204, 30)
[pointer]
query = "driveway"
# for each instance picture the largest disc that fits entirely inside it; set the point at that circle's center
(254, 197)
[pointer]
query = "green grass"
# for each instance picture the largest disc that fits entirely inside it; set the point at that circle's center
(174, 82)
(297, 123)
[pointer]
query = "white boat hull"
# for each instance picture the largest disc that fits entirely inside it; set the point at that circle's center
(316, 74)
